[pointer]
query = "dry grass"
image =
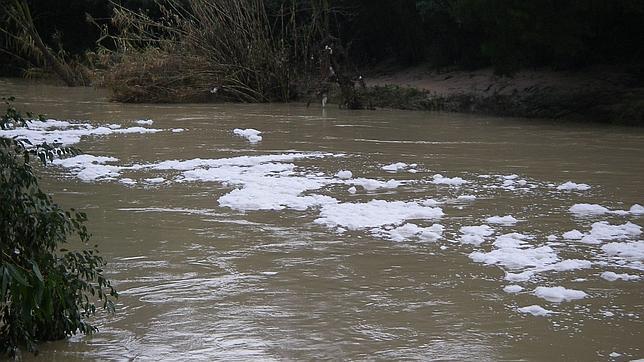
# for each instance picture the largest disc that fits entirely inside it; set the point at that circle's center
(232, 46)
(156, 76)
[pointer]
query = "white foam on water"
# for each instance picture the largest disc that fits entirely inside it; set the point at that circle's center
(588, 209)
(127, 181)
(395, 167)
(344, 174)
(265, 182)
(474, 235)
(630, 250)
(517, 257)
(240, 161)
(145, 122)
(466, 198)
(559, 294)
(65, 132)
(511, 240)
(620, 212)
(439, 179)
(430, 202)
(410, 231)
(375, 213)
(569, 264)
(512, 252)
(90, 168)
(520, 260)
(535, 310)
(155, 180)
(512, 289)
(569, 186)
(502, 220)
(508, 184)
(261, 190)
(471, 239)
(273, 182)
(252, 135)
(612, 276)
(637, 209)
(263, 197)
(523, 276)
(573, 235)
(481, 230)
(602, 230)
(177, 130)
(372, 185)
(129, 130)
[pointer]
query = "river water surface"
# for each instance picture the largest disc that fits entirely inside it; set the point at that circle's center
(258, 251)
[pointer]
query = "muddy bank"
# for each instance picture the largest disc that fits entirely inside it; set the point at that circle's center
(598, 95)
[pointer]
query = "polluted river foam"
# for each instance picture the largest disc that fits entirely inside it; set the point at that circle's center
(237, 231)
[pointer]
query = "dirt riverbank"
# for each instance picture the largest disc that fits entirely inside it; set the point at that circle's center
(598, 94)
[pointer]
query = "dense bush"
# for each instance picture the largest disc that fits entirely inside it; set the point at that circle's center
(196, 50)
(46, 292)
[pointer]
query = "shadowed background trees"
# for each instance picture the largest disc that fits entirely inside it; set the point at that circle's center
(505, 34)
(511, 34)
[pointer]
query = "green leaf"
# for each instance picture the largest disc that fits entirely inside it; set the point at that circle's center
(17, 275)
(4, 274)
(37, 271)
(53, 304)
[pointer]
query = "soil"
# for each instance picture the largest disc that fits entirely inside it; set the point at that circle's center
(605, 94)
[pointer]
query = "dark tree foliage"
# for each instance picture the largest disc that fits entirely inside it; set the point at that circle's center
(385, 30)
(64, 25)
(505, 34)
(46, 292)
(64, 21)
(510, 34)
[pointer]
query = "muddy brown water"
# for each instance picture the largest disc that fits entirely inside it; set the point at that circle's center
(204, 282)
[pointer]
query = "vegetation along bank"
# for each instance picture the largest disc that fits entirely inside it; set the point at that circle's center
(552, 59)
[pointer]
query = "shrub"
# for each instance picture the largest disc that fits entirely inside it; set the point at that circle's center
(194, 48)
(198, 50)
(46, 292)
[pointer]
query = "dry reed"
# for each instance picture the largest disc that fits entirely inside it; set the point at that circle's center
(205, 50)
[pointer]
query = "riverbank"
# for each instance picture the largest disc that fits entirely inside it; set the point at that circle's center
(598, 94)
(592, 95)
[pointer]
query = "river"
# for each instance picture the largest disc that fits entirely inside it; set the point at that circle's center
(461, 248)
